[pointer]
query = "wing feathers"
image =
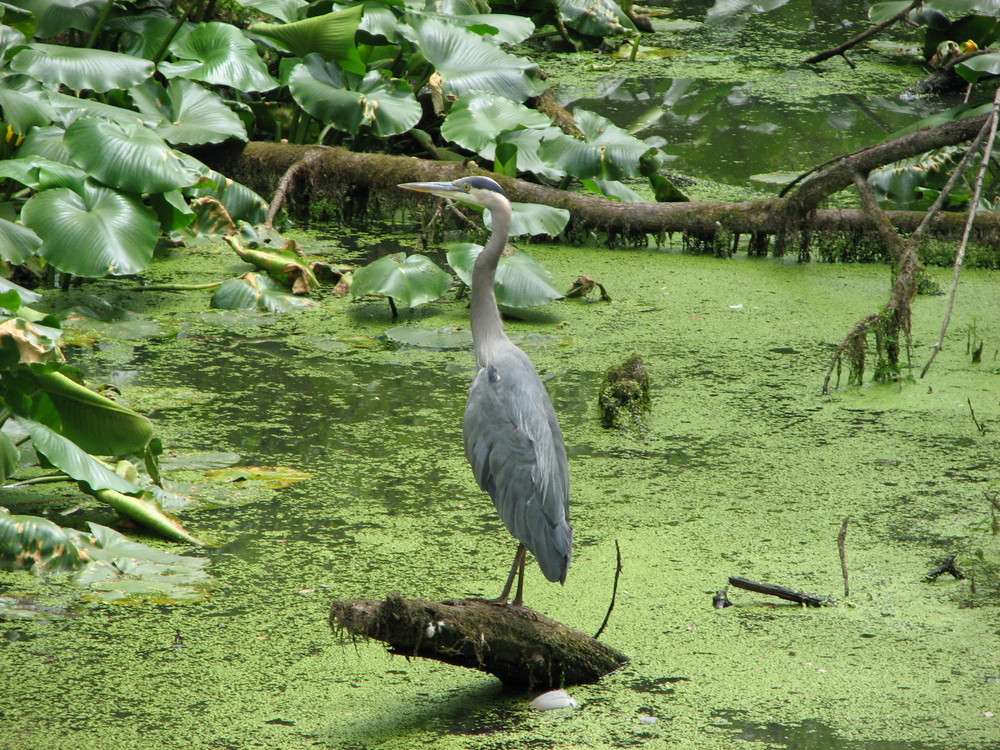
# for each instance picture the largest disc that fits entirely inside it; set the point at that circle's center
(515, 447)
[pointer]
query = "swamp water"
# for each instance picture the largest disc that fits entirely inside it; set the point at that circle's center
(746, 470)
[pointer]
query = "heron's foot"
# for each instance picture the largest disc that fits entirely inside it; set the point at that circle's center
(503, 600)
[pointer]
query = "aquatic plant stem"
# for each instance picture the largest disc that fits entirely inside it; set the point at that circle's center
(973, 205)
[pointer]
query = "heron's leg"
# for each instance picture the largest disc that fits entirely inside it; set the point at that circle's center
(520, 581)
(518, 565)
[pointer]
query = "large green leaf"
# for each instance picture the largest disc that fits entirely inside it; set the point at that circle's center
(27, 296)
(385, 104)
(331, 36)
(521, 281)
(478, 117)
(18, 28)
(22, 103)
(534, 219)
(528, 143)
(143, 35)
(70, 108)
(595, 18)
(17, 243)
(53, 17)
(40, 173)
(98, 233)
(113, 566)
(190, 113)
(286, 10)
(128, 157)
(608, 153)
(257, 291)
(95, 423)
(78, 68)
(980, 66)
(466, 62)
(218, 53)
(48, 143)
(70, 459)
(498, 28)
(148, 512)
(33, 542)
(10, 458)
(242, 203)
(409, 280)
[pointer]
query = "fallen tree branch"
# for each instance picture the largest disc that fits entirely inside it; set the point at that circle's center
(348, 182)
(973, 206)
(867, 34)
(516, 644)
(893, 324)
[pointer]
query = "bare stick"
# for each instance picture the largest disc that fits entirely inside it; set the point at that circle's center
(841, 545)
(614, 592)
(782, 592)
(979, 425)
(960, 255)
(841, 49)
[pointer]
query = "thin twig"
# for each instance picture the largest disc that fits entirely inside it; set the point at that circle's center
(960, 255)
(614, 592)
(841, 545)
(979, 425)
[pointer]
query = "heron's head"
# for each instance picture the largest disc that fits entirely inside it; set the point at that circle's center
(480, 191)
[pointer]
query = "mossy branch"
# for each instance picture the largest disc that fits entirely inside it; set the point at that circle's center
(516, 644)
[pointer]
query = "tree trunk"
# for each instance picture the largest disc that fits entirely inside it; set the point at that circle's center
(516, 644)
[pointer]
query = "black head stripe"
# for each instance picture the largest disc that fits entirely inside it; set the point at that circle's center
(481, 183)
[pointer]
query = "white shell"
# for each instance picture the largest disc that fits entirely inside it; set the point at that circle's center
(647, 719)
(554, 699)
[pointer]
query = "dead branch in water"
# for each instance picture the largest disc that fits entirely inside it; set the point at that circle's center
(516, 644)
(782, 592)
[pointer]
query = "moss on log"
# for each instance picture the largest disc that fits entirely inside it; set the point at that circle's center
(624, 397)
(516, 644)
(345, 185)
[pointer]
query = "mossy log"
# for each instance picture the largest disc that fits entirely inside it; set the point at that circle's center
(349, 183)
(516, 644)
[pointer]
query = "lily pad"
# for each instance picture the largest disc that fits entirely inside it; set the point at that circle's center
(406, 280)
(427, 338)
(521, 281)
(255, 291)
(267, 477)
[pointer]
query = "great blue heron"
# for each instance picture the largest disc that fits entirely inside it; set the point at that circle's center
(512, 435)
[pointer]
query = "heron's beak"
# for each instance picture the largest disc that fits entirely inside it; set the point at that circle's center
(440, 189)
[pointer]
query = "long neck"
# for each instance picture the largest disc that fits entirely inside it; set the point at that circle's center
(487, 327)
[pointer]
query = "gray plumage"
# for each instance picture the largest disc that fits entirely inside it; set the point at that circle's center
(512, 436)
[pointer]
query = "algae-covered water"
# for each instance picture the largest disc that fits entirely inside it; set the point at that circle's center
(745, 470)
